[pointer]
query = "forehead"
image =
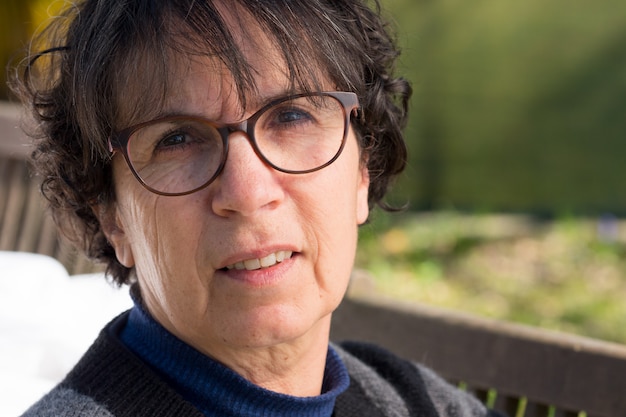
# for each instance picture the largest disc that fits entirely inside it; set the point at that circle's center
(203, 86)
(191, 73)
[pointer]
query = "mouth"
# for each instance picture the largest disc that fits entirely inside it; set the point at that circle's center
(260, 263)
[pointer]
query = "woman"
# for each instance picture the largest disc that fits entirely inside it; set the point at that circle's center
(218, 156)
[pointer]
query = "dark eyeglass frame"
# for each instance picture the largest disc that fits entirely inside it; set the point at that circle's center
(349, 101)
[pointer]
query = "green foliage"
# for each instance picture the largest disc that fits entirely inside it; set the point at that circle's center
(518, 105)
(568, 274)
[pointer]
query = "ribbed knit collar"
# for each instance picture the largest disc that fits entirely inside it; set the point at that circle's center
(216, 390)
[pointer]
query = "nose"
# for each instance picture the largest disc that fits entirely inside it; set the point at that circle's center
(246, 184)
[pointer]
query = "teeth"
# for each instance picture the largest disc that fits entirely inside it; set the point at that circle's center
(251, 264)
(269, 260)
(265, 262)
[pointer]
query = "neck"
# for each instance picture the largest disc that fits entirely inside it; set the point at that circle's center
(293, 368)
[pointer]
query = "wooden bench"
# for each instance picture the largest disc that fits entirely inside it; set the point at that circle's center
(24, 224)
(521, 370)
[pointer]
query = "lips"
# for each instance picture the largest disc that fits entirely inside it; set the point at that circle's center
(259, 263)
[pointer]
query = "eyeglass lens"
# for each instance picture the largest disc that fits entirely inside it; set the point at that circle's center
(181, 154)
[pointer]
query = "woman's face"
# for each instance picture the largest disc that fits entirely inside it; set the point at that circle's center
(181, 246)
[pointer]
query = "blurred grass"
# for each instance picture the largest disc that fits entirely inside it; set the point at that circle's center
(567, 274)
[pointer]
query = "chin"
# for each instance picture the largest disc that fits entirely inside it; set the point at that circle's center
(275, 326)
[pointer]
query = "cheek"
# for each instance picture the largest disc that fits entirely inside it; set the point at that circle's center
(165, 236)
(339, 207)
(166, 244)
(158, 230)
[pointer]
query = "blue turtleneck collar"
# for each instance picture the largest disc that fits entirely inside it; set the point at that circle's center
(216, 390)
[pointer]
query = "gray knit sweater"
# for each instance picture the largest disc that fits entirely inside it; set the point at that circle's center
(109, 381)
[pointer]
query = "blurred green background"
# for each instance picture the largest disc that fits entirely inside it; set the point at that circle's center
(517, 137)
(518, 106)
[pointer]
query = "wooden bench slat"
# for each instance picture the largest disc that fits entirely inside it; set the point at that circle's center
(48, 238)
(563, 413)
(5, 169)
(32, 221)
(13, 142)
(15, 206)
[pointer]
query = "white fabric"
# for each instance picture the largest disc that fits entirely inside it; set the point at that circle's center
(47, 321)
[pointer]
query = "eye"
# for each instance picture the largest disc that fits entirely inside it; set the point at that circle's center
(288, 117)
(181, 139)
(173, 139)
(292, 116)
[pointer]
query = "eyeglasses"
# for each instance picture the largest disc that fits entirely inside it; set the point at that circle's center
(180, 155)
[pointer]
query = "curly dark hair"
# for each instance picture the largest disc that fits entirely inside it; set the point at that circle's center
(103, 64)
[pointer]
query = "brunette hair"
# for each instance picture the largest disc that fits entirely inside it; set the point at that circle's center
(89, 60)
